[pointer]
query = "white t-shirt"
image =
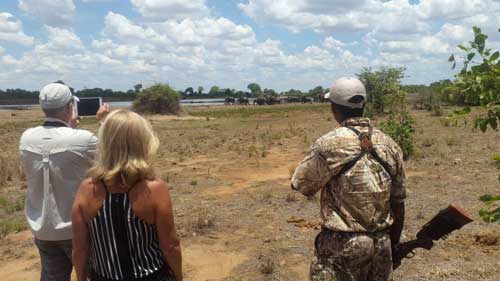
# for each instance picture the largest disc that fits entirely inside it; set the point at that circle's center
(55, 159)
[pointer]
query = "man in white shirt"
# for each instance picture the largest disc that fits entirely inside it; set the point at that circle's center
(55, 158)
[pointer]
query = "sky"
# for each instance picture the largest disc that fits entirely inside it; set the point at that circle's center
(280, 44)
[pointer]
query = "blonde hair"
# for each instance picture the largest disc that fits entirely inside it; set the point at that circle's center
(127, 145)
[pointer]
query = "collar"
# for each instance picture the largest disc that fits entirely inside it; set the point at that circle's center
(356, 121)
(54, 122)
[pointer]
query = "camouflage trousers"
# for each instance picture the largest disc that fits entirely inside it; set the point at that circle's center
(343, 256)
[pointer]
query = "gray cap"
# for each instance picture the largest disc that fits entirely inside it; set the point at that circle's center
(55, 95)
(345, 88)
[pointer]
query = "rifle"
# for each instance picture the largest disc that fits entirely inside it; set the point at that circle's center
(439, 227)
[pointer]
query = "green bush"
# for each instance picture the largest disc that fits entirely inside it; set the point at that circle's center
(400, 127)
(381, 85)
(12, 226)
(479, 84)
(158, 99)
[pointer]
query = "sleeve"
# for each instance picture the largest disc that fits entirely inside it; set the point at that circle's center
(312, 174)
(398, 189)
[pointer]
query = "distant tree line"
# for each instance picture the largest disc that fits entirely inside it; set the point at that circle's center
(20, 96)
(254, 90)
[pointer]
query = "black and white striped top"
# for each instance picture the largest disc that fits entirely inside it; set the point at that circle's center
(122, 246)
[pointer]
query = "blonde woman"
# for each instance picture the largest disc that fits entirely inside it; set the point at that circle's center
(123, 225)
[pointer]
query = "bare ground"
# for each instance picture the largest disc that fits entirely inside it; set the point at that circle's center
(229, 172)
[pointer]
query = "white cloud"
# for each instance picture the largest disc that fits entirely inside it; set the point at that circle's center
(392, 16)
(326, 16)
(184, 52)
(196, 48)
(435, 9)
(11, 30)
(171, 9)
(332, 43)
(50, 12)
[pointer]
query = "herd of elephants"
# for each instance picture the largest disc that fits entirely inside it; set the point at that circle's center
(270, 100)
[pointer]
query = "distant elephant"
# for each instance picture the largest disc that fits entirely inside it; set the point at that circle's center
(272, 100)
(305, 100)
(229, 100)
(292, 99)
(319, 98)
(243, 101)
(259, 101)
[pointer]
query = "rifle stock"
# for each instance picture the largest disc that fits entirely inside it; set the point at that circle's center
(439, 227)
(407, 250)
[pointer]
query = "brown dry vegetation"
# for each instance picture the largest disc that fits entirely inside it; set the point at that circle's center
(229, 171)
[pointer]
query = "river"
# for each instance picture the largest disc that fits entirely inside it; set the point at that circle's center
(192, 102)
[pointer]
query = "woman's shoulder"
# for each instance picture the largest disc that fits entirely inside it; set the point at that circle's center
(91, 187)
(156, 184)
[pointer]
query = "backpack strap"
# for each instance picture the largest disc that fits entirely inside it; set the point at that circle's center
(366, 144)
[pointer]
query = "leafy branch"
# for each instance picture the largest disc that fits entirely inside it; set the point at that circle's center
(480, 85)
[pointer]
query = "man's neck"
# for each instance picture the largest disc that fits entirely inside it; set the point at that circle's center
(56, 120)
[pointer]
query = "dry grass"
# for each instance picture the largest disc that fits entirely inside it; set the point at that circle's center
(202, 222)
(9, 171)
(291, 197)
(12, 226)
(266, 265)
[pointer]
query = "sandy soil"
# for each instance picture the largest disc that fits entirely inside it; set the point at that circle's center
(239, 220)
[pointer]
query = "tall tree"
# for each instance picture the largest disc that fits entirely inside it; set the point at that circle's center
(189, 91)
(138, 88)
(316, 91)
(381, 84)
(214, 90)
(200, 90)
(254, 88)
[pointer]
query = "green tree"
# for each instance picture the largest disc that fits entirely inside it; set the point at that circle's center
(200, 90)
(138, 88)
(380, 84)
(214, 90)
(317, 91)
(479, 83)
(254, 88)
(189, 91)
(270, 92)
(157, 99)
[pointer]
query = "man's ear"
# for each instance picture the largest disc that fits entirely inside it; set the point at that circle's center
(69, 107)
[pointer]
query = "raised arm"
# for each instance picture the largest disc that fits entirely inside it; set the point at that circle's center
(169, 242)
(81, 241)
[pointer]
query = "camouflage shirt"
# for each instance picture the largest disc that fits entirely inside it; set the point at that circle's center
(359, 199)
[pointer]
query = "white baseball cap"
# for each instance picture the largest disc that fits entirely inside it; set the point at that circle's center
(55, 95)
(344, 89)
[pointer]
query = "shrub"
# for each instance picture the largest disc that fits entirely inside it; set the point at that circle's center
(11, 226)
(400, 127)
(202, 222)
(381, 84)
(157, 99)
(266, 265)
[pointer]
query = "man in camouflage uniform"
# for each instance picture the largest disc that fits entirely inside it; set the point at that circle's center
(360, 173)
